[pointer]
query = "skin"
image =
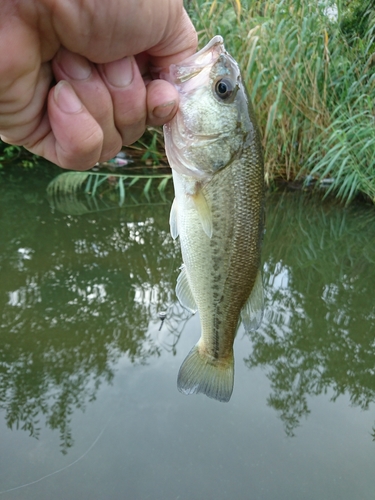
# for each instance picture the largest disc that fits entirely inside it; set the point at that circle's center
(75, 80)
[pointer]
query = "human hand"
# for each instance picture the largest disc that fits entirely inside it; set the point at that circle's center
(74, 82)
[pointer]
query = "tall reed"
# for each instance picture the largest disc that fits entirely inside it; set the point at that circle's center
(313, 92)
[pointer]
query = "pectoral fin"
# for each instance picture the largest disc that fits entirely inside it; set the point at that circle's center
(173, 220)
(204, 212)
(252, 311)
(184, 293)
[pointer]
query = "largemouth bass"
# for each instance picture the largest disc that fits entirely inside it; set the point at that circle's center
(214, 148)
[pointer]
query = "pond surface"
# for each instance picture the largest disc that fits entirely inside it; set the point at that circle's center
(88, 401)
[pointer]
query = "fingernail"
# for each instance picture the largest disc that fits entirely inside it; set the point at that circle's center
(75, 66)
(66, 98)
(120, 73)
(164, 110)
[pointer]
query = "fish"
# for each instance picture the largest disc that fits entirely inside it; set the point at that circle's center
(214, 147)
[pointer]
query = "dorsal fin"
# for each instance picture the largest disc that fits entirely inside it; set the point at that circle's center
(252, 311)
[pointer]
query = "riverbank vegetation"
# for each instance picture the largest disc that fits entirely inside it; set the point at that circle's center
(309, 67)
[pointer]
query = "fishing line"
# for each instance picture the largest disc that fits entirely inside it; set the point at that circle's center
(62, 468)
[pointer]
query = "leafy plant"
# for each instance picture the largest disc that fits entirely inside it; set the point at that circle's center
(312, 85)
(81, 192)
(149, 148)
(10, 154)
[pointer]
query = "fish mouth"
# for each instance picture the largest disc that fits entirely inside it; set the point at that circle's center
(208, 137)
(201, 62)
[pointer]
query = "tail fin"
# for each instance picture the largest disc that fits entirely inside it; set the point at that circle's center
(198, 373)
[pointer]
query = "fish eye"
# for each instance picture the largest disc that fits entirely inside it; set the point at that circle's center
(224, 88)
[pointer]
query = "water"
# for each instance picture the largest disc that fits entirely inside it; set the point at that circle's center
(88, 401)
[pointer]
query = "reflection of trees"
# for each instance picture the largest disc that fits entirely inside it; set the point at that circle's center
(76, 294)
(320, 332)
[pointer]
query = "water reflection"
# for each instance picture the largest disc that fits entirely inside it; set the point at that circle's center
(79, 292)
(76, 294)
(318, 331)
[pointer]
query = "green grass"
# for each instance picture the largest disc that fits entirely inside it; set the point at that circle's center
(312, 86)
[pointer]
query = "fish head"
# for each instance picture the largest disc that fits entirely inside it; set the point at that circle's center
(213, 123)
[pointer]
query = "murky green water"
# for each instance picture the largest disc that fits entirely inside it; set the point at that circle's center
(88, 401)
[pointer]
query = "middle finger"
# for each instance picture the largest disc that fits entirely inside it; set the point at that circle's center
(93, 93)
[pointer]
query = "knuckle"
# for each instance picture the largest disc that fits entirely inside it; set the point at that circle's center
(82, 154)
(110, 149)
(132, 133)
